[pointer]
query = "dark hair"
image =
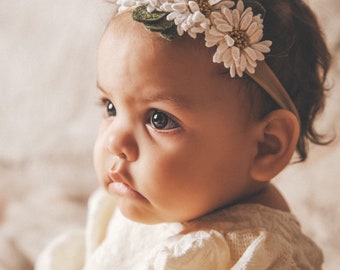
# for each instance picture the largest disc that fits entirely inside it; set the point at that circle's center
(300, 59)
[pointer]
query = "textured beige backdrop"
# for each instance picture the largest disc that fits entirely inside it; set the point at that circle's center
(49, 117)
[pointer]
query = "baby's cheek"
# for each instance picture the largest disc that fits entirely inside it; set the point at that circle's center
(169, 173)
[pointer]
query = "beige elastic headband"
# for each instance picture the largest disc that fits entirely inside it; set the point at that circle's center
(266, 78)
(235, 29)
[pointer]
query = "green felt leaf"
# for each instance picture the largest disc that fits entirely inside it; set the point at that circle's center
(160, 25)
(170, 34)
(140, 14)
(156, 22)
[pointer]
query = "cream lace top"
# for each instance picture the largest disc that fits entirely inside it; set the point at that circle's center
(240, 237)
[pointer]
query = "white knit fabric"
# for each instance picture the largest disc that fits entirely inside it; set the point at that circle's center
(240, 237)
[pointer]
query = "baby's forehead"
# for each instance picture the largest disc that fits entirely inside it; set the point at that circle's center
(183, 49)
(132, 51)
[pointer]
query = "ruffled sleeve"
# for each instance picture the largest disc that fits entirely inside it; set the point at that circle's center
(195, 250)
(237, 250)
(264, 251)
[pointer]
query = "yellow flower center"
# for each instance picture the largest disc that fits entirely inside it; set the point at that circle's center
(240, 37)
(204, 7)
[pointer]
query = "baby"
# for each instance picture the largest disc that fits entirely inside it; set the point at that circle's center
(204, 103)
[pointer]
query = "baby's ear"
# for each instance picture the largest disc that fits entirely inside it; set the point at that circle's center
(278, 135)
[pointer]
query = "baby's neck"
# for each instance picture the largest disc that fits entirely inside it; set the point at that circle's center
(269, 196)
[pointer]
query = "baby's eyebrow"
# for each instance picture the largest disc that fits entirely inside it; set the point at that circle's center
(101, 89)
(175, 100)
(178, 101)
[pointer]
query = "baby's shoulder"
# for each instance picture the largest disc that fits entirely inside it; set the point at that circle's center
(249, 216)
(237, 237)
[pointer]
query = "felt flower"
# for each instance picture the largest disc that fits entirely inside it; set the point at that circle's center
(151, 5)
(237, 34)
(123, 5)
(234, 30)
(192, 16)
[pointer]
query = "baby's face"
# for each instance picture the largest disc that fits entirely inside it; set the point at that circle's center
(175, 142)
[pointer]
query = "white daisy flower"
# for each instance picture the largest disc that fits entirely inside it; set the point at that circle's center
(150, 5)
(192, 16)
(237, 34)
(124, 5)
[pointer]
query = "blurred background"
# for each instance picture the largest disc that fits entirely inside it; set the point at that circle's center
(49, 120)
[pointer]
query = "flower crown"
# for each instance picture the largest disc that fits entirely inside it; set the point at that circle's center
(236, 29)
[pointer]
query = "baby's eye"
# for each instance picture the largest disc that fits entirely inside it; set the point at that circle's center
(110, 109)
(161, 121)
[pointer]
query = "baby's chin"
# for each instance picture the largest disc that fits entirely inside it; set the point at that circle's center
(137, 213)
(149, 216)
